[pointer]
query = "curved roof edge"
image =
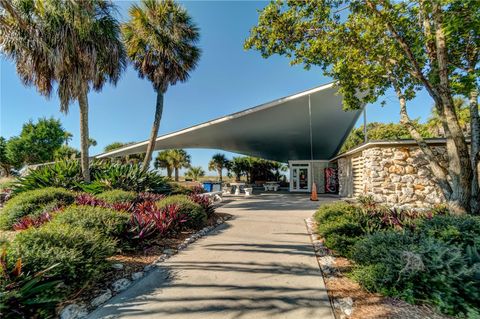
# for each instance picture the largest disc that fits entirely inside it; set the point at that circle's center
(121, 151)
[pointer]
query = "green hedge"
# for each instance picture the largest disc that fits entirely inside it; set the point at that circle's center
(33, 203)
(338, 223)
(117, 196)
(80, 253)
(434, 264)
(105, 221)
(196, 215)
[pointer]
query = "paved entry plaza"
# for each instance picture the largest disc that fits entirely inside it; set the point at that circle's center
(259, 264)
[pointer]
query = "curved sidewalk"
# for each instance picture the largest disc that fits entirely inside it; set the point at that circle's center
(260, 264)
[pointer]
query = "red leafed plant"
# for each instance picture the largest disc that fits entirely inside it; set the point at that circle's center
(150, 197)
(147, 220)
(203, 201)
(29, 221)
(89, 200)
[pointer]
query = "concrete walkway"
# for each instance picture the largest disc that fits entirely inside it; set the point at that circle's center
(260, 264)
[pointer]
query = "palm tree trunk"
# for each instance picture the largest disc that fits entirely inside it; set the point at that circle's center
(154, 133)
(220, 174)
(83, 104)
(176, 174)
(169, 172)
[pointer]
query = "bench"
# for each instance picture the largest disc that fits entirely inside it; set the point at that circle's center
(213, 196)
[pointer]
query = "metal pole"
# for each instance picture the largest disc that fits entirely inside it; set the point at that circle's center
(365, 124)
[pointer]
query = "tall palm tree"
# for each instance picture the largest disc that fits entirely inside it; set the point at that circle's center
(67, 136)
(218, 163)
(160, 39)
(179, 159)
(163, 160)
(73, 44)
(195, 172)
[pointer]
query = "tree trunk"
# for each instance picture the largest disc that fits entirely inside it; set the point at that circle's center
(169, 172)
(176, 174)
(84, 159)
(220, 174)
(154, 133)
(475, 151)
(439, 172)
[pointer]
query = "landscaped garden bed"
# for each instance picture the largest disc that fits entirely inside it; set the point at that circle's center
(380, 262)
(68, 242)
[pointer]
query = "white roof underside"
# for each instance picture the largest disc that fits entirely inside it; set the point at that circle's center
(277, 130)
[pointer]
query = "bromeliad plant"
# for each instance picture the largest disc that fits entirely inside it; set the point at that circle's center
(203, 201)
(25, 295)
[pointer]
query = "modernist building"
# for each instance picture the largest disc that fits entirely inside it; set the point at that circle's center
(305, 130)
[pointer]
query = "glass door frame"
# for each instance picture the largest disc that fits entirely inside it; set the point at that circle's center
(297, 165)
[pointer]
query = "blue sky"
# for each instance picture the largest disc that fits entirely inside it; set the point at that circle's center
(227, 79)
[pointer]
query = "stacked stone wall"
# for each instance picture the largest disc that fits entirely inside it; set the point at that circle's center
(398, 176)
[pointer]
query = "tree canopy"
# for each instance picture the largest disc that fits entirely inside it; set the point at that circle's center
(371, 46)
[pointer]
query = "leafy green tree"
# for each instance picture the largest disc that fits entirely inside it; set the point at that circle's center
(383, 131)
(131, 158)
(161, 43)
(36, 143)
(66, 152)
(163, 161)
(239, 166)
(195, 172)
(218, 163)
(5, 162)
(462, 109)
(371, 46)
(72, 46)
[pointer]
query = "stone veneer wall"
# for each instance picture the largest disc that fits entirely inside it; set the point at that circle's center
(397, 175)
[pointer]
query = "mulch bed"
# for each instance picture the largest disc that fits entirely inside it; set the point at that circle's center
(368, 305)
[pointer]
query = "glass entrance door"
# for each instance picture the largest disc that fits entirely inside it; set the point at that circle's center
(300, 174)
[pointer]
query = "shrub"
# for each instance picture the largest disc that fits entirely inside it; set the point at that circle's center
(90, 200)
(420, 268)
(461, 231)
(26, 295)
(203, 201)
(33, 203)
(106, 221)
(64, 174)
(117, 196)
(339, 225)
(104, 176)
(195, 214)
(80, 253)
(147, 220)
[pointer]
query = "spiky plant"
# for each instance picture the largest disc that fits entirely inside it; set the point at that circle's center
(74, 46)
(160, 39)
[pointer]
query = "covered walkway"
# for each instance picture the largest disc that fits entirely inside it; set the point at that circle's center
(260, 264)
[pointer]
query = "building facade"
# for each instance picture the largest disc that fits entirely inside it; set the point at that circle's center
(392, 172)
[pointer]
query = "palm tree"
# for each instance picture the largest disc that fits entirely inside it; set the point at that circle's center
(163, 161)
(195, 172)
(160, 39)
(218, 163)
(73, 44)
(92, 142)
(67, 136)
(179, 159)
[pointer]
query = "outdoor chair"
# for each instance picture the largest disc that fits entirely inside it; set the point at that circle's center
(248, 191)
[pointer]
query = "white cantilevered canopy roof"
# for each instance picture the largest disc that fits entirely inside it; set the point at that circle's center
(278, 130)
